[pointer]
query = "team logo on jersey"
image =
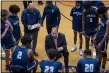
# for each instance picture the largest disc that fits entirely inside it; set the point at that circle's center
(77, 13)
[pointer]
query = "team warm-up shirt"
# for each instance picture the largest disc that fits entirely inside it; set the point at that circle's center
(87, 65)
(30, 18)
(52, 15)
(48, 66)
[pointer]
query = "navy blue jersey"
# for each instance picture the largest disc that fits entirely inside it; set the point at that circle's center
(20, 57)
(48, 66)
(87, 65)
(52, 15)
(77, 18)
(91, 20)
(102, 28)
(14, 20)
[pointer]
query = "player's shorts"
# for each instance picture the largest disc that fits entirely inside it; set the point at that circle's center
(90, 33)
(77, 28)
(98, 40)
(7, 42)
(18, 68)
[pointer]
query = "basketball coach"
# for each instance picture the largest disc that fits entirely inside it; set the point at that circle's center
(57, 41)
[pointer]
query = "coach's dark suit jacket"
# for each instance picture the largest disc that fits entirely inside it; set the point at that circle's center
(61, 42)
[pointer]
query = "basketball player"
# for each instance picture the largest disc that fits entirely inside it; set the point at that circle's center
(76, 14)
(102, 36)
(89, 22)
(22, 57)
(14, 20)
(88, 64)
(51, 66)
(7, 41)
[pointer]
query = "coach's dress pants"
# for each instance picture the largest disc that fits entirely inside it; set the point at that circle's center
(34, 36)
(65, 54)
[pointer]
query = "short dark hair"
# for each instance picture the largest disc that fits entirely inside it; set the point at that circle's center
(4, 13)
(102, 10)
(87, 4)
(14, 9)
(87, 52)
(26, 40)
(52, 53)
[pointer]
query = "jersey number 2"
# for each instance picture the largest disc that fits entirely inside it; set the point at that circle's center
(49, 69)
(89, 67)
(19, 56)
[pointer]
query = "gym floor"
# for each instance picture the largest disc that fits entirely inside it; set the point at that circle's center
(65, 27)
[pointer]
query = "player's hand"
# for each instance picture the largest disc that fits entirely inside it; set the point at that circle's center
(73, 69)
(99, 45)
(60, 48)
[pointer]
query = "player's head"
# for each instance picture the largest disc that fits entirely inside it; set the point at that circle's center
(52, 54)
(31, 7)
(4, 14)
(49, 3)
(102, 11)
(54, 32)
(78, 3)
(87, 5)
(14, 9)
(87, 52)
(26, 41)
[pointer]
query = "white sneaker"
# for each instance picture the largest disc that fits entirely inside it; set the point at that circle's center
(80, 52)
(74, 48)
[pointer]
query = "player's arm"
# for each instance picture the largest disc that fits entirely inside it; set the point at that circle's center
(43, 16)
(83, 21)
(106, 34)
(30, 54)
(59, 16)
(78, 70)
(5, 31)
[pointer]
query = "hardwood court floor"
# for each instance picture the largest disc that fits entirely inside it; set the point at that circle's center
(65, 27)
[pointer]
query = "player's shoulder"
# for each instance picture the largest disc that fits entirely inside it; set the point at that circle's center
(58, 62)
(42, 61)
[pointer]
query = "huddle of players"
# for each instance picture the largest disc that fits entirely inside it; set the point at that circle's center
(86, 21)
(22, 57)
